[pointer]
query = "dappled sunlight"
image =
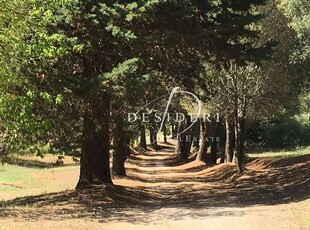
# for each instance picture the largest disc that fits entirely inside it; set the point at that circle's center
(155, 191)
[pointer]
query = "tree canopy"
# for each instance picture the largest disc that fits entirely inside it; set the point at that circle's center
(71, 70)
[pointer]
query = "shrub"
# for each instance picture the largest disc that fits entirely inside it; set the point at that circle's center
(279, 135)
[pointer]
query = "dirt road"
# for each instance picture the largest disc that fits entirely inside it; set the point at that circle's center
(162, 193)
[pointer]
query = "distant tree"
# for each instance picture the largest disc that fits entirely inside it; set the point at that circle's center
(240, 89)
(298, 12)
(282, 83)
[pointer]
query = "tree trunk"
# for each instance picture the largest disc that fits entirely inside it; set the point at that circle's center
(165, 134)
(196, 136)
(202, 152)
(95, 162)
(186, 146)
(154, 144)
(142, 143)
(174, 131)
(127, 141)
(214, 142)
(187, 140)
(229, 139)
(222, 157)
(120, 150)
(180, 136)
(153, 132)
(153, 137)
(213, 152)
(242, 135)
(237, 144)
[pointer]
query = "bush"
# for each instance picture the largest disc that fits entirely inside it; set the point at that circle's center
(284, 135)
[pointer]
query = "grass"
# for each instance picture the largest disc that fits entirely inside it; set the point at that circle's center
(281, 153)
(17, 181)
(12, 176)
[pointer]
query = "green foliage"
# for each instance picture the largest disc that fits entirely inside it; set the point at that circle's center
(64, 51)
(279, 135)
(236, 87)
(289, 134)
(299, 13)
(60, 55)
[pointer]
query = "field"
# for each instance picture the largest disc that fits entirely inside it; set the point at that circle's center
(159, 193)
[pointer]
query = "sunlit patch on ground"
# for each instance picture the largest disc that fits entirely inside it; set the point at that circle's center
(161, 192)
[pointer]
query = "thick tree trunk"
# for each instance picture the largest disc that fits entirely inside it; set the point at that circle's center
(127, 141)
(202, 152)
(187, 140)
(213, 152)
(154, 143)
(142, 143)
(95, 162)
(222, 157)
(186, 146)
(229, 139)
(120, 150)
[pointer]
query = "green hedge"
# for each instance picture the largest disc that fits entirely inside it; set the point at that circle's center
(279, 135)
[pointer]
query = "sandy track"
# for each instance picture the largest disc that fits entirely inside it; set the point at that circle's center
(161, 193)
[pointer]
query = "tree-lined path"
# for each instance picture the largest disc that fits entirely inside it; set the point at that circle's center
(162, 192)
(85, 82)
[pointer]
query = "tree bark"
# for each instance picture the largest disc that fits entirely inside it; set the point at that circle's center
(202, 152)
(187, 140)
(242, 134)
(196, 136)
(165, 134)
(214, 142)
(95, 162)
(142, 143)
(186, 146)
(180, 136)
(174, 130)
(229, 139)
(127, 141)
(120, 149)
(153, 132)
(153, 137)
(154, 143)
(237, 143)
